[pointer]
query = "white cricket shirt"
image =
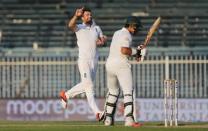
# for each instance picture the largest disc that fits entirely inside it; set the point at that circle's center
(86, 40)
(121, 38)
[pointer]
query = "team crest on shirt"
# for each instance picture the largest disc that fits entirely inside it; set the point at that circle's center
(85, 75)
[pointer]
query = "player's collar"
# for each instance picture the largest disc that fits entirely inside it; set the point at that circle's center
(126, 30)
(92, 25)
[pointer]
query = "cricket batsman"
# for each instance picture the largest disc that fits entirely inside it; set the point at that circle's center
(119, 72)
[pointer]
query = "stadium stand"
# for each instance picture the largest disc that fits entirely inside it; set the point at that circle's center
(23, 22)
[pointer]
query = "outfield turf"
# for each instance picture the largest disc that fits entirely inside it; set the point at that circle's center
(94, 126)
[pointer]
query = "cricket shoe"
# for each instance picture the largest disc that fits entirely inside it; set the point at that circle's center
(108, 121)
(129, 121)
(63, 99)
(100, 116)
(135, 124)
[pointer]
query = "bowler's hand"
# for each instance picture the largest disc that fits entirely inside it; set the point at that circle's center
(79, 12)
(101, 40)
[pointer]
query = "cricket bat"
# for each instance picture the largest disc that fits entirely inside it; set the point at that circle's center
(151, 31)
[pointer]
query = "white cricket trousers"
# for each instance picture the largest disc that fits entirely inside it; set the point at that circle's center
(119, 73)
(87, 69)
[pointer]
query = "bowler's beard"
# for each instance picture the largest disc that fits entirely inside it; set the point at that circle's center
(89, 22)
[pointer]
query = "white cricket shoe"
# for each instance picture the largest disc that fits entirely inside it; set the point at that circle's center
(108, 121)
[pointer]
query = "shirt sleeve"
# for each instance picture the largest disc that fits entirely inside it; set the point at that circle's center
(99, 31)
(125, 41)
(79, 26)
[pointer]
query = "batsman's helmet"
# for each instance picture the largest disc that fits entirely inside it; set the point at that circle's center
(133, 20)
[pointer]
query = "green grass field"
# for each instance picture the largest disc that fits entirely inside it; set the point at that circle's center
(94, 126)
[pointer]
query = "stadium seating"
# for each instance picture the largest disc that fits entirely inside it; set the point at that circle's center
(23, 22)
